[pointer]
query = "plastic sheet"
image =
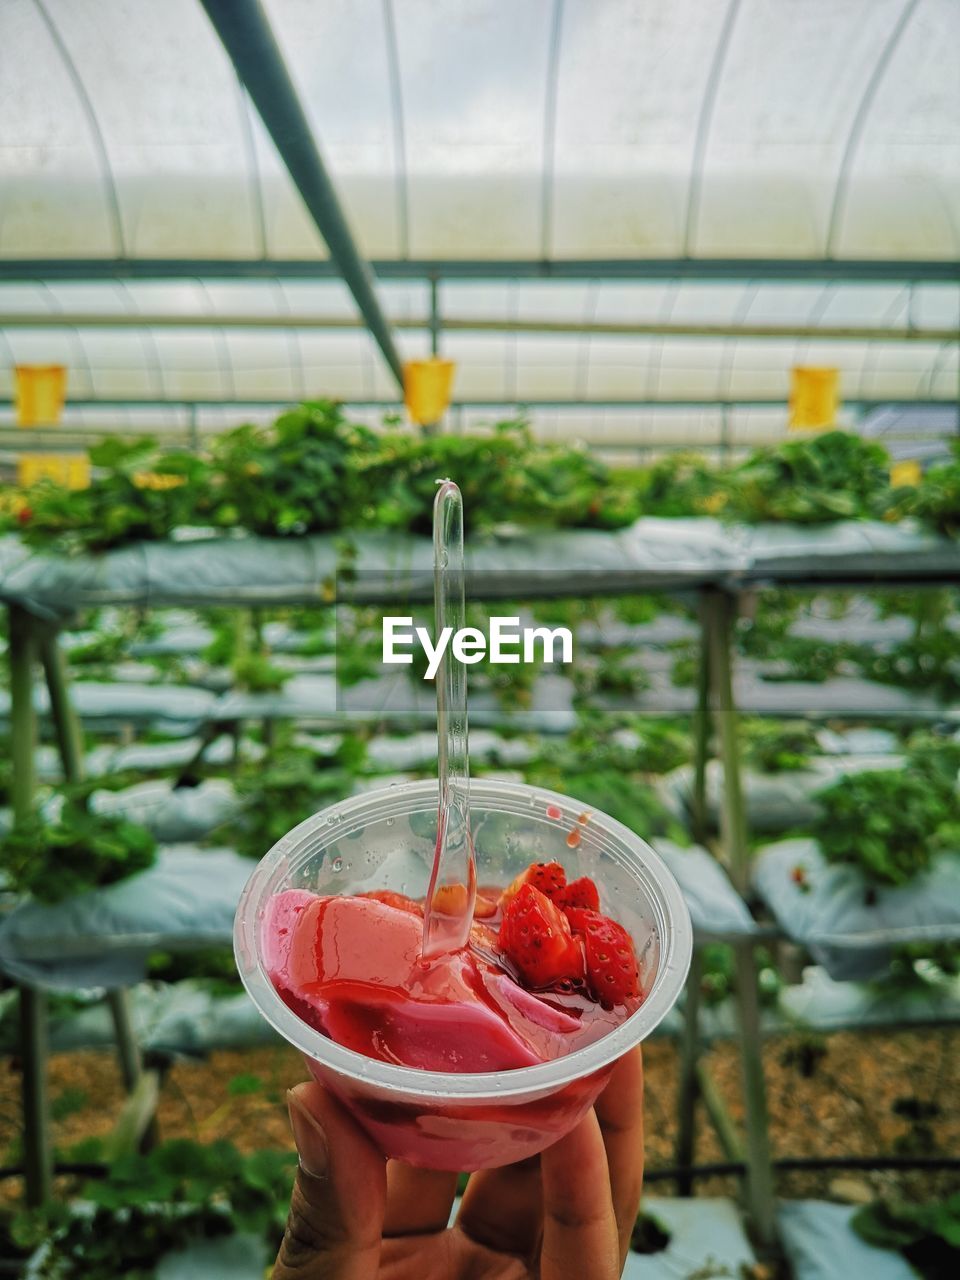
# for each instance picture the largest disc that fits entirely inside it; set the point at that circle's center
(169, 705)
(182, 1018)
(418, 750)
(171, 815)
(825, 1005)
(774, 801)
(262, 571)
(847, 551)
(717, 910)
(843, 931)
(238, 1257)
(821, 1245)
(102, 938)
(707, 1238)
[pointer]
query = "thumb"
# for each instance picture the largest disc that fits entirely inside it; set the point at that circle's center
(336, 1213)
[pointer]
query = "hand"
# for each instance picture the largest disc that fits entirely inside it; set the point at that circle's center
(564, 1215)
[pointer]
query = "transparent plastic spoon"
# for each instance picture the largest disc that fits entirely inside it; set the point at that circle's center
(453, 883)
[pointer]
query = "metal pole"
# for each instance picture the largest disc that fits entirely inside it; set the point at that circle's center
(719, 623)
(688, 1089)
(70, 740)
(128, 1051)
(66, 724)
(701, 739)
(760, 1190)
(32, 1002)
(720, 617)
(434, 316)
(248, 39)
(23, 719)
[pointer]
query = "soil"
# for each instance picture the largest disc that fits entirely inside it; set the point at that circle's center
(846, 1095)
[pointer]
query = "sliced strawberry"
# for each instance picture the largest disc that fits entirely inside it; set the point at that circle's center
(484, 907)
(391, 899)
(612, 969)
(535, 936)
(548, 877)
(579, 893)
(450, 899)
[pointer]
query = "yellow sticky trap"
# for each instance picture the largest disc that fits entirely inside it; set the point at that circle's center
(71, 470)
(40, 393)
(427, 385)
(157, 480)
(905, 473)
(814, 398)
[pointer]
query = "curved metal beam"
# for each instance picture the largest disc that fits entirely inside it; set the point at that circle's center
(148, 341)
(93, 122)
(246, 35)
(399, 128)
(253, 167)
(705, 119)
(550, 130)
(860, 120)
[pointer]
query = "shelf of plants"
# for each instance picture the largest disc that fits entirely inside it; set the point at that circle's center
(131, 544)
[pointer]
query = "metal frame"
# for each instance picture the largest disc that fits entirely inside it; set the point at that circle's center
(90, 114)
(702, 270)
(711, 89)
(246, 35)
(399, 125)
(489, 402)
(860, 119)
(549, 149)
(466, 324)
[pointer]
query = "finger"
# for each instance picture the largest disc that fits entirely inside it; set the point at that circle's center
(620, 1114)
(503, 1208)
(418, 1200)
(336, 1214)
(579, 1227)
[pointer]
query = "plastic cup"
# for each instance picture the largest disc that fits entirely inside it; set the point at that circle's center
(385, 839)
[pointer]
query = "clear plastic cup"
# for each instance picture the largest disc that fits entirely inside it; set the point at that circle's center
(385, 839)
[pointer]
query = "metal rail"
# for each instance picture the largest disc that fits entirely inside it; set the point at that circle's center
(467, 324)
(248, 39)
(701, 270)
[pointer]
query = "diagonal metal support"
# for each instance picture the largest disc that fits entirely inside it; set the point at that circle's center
(248, 39)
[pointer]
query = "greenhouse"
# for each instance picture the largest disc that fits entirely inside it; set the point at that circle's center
(656, 309)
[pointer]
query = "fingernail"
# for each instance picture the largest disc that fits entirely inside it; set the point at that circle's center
(309, 1136)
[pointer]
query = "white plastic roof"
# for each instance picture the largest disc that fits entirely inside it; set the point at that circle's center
(491, 129)
(486, 130)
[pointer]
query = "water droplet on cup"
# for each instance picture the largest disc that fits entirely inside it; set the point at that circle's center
(337, 864)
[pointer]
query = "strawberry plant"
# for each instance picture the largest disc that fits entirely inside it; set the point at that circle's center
(135, 495)
(149, 1205)
(77, 852)
(936, 500)
(890, 823)
(927, 1235)
(834, 475)
(298, 476)
(678, 484)
(285, 789)
(505, 478)
(773, 746)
